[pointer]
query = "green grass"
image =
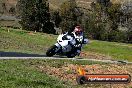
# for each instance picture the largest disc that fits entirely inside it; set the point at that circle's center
(118, 51)
(22, 74)
(25, 74)
(22, 41)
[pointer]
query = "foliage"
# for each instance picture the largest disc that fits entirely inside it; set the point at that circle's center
(103, 23)
(126, 19)
(95, 24)
(69, 14)
(35, 15)
(55, 16)
(12, 10)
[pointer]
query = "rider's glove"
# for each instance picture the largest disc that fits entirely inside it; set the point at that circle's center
(77, 45)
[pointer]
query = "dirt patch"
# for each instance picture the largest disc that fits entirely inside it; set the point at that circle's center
(93, 55)
(66, 73)
(31, 33)
(69, 72)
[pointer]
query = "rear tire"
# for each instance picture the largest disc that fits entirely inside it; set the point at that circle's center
(51, 51)
(70, 55)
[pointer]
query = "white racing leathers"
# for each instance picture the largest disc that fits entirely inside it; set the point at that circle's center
(80, 41)
(67, 44)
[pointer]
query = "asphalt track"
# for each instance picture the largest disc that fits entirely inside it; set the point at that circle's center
(18, 55)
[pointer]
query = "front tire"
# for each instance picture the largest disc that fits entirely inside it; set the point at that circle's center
(51, 51)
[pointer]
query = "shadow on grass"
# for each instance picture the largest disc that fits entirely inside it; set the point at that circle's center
(18, 54)
(39, 84)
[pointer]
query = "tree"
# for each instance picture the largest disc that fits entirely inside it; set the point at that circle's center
(35, 15)
(97, 22)
(69, 14)
(126, 19)
(129, 31)
(55, 16)
(12, 11)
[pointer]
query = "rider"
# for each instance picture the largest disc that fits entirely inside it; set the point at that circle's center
(78, 35)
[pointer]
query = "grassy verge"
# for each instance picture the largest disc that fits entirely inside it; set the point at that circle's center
(118, 51)
(54, 73)
(24, 41)
(24, 74)
(21, 74)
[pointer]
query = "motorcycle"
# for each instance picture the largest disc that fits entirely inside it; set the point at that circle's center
(64, 46)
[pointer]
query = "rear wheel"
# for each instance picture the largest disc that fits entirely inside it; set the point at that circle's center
(51, 51)
(70, 55)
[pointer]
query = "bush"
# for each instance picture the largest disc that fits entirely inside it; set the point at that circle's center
(69, 15)
(35, 15)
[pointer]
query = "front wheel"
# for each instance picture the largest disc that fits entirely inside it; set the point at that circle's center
(51, 51)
